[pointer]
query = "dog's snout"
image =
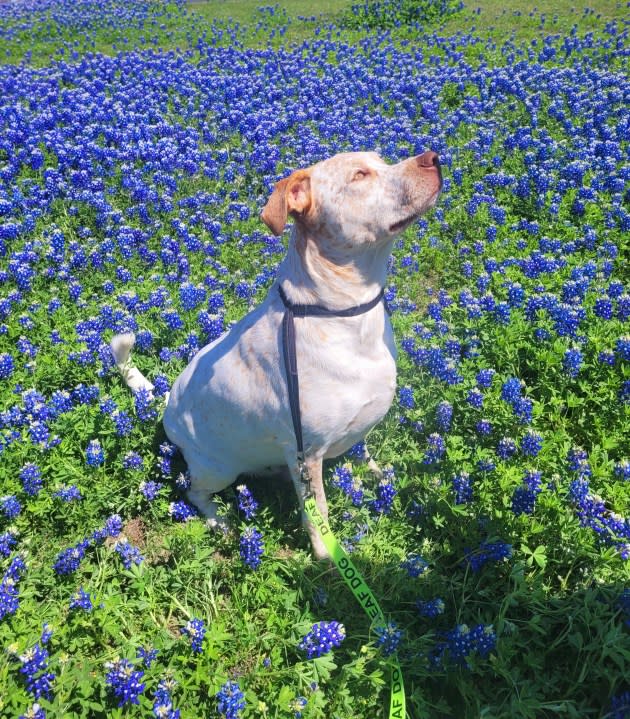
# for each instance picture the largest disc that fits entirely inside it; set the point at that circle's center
(429, 159)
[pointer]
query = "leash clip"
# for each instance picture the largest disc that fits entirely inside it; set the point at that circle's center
(305, 475)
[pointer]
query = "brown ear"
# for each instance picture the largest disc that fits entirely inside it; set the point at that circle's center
(290, 195)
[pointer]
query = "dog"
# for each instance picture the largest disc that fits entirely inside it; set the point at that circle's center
(229, 410)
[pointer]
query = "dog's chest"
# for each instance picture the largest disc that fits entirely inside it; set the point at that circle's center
(347, 376)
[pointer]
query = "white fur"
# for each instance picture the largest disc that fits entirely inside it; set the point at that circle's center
(228, 411)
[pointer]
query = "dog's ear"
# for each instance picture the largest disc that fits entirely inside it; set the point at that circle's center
(292, 195)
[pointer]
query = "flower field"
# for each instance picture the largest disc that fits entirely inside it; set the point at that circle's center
(138, 143)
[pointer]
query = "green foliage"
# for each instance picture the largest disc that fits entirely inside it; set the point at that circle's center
(381, 14)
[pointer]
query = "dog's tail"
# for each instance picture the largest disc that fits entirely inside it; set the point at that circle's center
(121, 346)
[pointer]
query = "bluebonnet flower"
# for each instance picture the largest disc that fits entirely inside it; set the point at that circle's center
(31, 477)
(7, 366)
(111, 528)
(531, 443)
(483, 426)
(181, 511)
(506, 447)
(9, 596)
(462, 486)
(34, 668)
(603, 308)
(572, 361)
(431, 608)
(128, 553)
(251, 547)
(405, 397)
(624, 392)
(444, 414)
(246, 502)
(81, 600)
(124, 681)
(68, 560)
(322, 637)
(622, 348)
(163, 701)
(343, 478)
(435, 450)
(511, 390)
(462, 642)
(34, 712)
(230, 700)
(297, 706)
(388, 638)
(182, 481)
(475, 398)
(144, 405)
(385, 492)
(619, 706)
(622, 470)
(123, 422)
(147, 654)
(524, 497)
(132, 460)
(150, 489)
(69, 494)
(8, 541)
(414, 565)
(578, 461)
(488, 552)
(195, 631)
(161, 385)
(10, 506)
(94, 453)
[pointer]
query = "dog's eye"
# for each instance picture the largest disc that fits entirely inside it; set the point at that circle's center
(360, 175)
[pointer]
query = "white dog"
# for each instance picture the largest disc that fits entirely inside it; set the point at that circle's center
(229, 410)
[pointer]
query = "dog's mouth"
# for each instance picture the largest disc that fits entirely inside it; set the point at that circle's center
(404, 223)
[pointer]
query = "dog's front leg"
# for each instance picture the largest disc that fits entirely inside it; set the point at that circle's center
(314, 468)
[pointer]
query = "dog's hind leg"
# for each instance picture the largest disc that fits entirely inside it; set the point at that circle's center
(367, 458)
(121, 346)
(199, 496)
(314, 468)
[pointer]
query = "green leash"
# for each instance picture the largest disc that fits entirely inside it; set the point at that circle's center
(363, 595)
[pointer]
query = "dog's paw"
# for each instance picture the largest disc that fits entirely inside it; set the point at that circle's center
(218, 524)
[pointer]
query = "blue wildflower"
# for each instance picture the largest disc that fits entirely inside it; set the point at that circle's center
(230, 700)
(34, 668)
(196, 631)
(322, 637)
(81, 600)
(94, 454)
(251, 547)
(572, 361)
(462, 486)
(431, 608)
(246, 502)
(9, 597)
(388, 638)
(10, 506)
(181, 511)
(414, 565)
(435, 450)
(128, 553)
(124, 681)
(163, 701)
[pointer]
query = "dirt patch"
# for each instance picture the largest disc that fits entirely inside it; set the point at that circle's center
(135, 531)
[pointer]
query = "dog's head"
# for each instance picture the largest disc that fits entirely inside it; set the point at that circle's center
(356, 197)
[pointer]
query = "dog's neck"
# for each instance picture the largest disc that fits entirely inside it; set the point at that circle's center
(325, 272)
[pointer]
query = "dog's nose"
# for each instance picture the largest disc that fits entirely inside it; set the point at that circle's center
(428, 159)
